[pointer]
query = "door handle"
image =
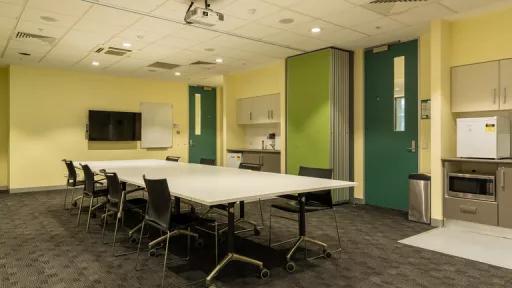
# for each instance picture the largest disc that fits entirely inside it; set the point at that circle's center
(502, 178)
(413, 146)
(191, 143)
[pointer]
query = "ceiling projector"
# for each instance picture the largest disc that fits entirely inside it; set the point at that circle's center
(203, 16)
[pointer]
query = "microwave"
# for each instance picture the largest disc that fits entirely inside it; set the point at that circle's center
(472, 186)
(483, 137)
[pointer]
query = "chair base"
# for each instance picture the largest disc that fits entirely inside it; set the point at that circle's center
(230, 257)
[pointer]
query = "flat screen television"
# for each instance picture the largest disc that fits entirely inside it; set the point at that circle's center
(114, 126)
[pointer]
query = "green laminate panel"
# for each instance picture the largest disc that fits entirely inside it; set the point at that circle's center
(205, 144)
(308, 110)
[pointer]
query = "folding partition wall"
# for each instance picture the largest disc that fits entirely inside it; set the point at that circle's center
(319, 126)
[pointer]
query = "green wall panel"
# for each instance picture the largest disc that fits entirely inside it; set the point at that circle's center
(308, 110)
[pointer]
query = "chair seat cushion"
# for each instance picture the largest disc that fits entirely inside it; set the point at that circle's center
(223, 207)
(293, 207)
(137, 203)
(100, 192)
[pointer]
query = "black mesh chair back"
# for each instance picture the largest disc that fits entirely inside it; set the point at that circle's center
(159, 201)
(115, 190)
(206, 161)
(250, 166)
(88, 178)
(72, 177)
(324, 197)
(173, 158)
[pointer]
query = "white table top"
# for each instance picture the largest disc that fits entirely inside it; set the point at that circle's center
(212, 185)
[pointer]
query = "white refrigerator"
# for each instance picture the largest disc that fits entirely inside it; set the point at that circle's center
(483, 137)
(233, 160)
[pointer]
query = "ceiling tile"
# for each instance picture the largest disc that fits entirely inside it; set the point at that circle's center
(34, 15)
(466, 5)
(230, 23)
(80, 41)
(352, 16)
(423, 14)
(104, 19)
(320, 9)
(255, 30)
(41, 29)
(10, 10)
(104, 60)
(250, 9)
(62, 59)
(297, 41)
(63, 7)
(273, 20)
(172, 10)
(137, 5)
(129, 64)
(379, 26)
(282, 3)
(6, 26)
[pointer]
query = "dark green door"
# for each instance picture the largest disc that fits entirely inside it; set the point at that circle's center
(391, 124)
(202, 123)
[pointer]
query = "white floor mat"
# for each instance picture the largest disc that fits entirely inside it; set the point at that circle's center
(487, 244)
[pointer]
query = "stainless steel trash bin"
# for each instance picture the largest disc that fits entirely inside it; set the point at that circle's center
(419, 198)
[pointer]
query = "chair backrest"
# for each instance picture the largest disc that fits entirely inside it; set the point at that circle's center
(159, 201)
(72, 177)
(173, 158)
(88, 179)
(250, 166)
(115, 190)
(323, 197)
(206, 161)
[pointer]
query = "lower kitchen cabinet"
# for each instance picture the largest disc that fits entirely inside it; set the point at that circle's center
(271, 162)
(482, 212)
(504, 196)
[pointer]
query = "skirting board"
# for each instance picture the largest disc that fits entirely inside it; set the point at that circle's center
(4, 189)
(436, 222)
(359, 201)
(37, 189)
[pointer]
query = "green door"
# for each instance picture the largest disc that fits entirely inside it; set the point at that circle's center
(202, 123)
(391, 124)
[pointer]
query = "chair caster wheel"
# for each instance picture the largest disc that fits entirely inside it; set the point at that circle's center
(74, 204)
(290, 267)
(199, 243)
(257, 232)
(152, 252)
(327, 254)
(134, 240)
(93, 215)
(264, 273)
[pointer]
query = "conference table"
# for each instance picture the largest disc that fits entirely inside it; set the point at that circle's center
(213, 185)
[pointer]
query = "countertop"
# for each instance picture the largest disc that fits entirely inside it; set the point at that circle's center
(477, 160)
(253, 150)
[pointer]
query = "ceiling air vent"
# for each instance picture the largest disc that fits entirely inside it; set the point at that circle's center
(202, 63)
(29, 36)
(113, 51)
(163, 65)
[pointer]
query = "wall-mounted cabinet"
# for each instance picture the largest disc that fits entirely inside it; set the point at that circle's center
(482, 87)
(259, 110)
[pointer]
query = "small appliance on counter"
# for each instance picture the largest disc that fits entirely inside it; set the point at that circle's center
(470, 185)
(233, 159)
(483, 137)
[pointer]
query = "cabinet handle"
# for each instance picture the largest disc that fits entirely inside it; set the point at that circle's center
(502, 178)
(505, 95)
(268, 114)
(467, 209)
(272, 114)
(250, 115)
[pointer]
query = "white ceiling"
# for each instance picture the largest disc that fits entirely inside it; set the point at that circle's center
(155, 30)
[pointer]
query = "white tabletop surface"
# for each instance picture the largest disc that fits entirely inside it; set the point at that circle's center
(211, 185)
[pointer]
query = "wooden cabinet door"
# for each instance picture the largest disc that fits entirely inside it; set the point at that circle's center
(244, 114)
(504, 196)
(274, 106)
(475, 87)
(506, 84)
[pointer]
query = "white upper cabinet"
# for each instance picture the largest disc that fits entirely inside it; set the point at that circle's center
(475, 87)
(259, 110)
(506, 84)
(482, 87)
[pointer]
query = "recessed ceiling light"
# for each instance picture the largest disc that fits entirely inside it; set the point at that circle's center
(219, 60)
(95, 63)
(316, 29)
(48, 19)
(127, 45)
(287, 21)
(177, 73)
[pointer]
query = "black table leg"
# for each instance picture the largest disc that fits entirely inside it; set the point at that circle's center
(177, 205)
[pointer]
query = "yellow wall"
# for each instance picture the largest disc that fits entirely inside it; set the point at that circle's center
(482, 38)
(359, 123)
(266, 80)
(4, 127)
(424, 93)
(48, 114)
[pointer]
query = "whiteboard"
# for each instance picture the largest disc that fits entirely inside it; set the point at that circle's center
(156, 125)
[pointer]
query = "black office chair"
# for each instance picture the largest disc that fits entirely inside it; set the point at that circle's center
(91, 191)
(117, 204)
(159, 215)
(206, 161)
(314, 202)
(173, 158)
(72, 182)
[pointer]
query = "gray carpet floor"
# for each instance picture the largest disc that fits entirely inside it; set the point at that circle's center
(40, 246)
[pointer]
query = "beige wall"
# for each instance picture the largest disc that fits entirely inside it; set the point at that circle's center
(48, 114)
(424, 93)
(4, 127)
(359, 123)
(265, 80)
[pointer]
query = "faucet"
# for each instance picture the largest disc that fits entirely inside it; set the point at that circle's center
(262, 144)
